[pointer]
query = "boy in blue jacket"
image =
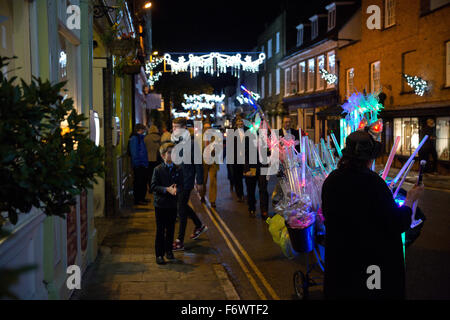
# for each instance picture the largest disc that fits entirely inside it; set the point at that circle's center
(139, 161)
(167, 182)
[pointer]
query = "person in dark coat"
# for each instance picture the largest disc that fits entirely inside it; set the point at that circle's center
(167, 182)
(363, 227)
(238, 168)
(253, 177)
(139, 161)
(287, 132)
(192, 174)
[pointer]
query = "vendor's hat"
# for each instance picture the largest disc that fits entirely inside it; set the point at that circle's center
(361, 145)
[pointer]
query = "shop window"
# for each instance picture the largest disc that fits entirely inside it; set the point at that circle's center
(408, 130)
(443, 138)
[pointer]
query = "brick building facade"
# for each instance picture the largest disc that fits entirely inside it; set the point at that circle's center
(414, 39)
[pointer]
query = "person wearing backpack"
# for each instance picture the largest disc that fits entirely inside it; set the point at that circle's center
(139, 162)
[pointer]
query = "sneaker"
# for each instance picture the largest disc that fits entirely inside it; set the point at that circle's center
(178, 246)
(198, 232)
(170, 256)
(160, 260)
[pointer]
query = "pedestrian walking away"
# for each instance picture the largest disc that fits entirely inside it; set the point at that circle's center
(238, 168)
(365, 231)
(152, 142)
(192, 174)
(139, 160)
(209, 170)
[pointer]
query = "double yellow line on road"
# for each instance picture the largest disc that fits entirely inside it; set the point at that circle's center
(219, 223)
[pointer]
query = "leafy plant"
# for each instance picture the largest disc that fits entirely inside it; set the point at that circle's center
(42, 163)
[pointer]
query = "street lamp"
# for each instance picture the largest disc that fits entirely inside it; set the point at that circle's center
(147, 5)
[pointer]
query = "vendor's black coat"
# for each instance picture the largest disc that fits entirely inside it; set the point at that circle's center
(363, 228)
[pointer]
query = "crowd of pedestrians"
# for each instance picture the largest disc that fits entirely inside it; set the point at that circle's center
(150, 150)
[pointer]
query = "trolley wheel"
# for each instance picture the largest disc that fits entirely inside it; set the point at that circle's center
(301, 285)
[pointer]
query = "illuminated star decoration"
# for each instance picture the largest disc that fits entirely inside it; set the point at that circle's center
(419, 85)
(149, 67)
(214, 62)
(329, 77)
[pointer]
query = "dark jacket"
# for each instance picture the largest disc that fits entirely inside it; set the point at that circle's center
(138, 150)
(191, 172)
(161, 179)
(363, 228)
(258, 165)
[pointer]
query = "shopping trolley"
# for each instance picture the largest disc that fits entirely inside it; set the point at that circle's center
(306, 241)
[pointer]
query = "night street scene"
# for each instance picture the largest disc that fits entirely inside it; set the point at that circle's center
(195, 152)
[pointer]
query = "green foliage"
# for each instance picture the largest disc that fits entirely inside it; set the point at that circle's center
(41, 165)
(9, 277)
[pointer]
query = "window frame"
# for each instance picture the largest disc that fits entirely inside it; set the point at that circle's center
(314, 26)
(331, 16)
(320, 82)
(269, 85)
(311, 82)
(287, 81)
(438, 139)
(277, 81)
(447, 64)
(389, 12)
(334, 67)
(371, 72)
(277, 42)
(300, 33)
(262, 93)
(347, 78)
(302, 74)
(269, 48)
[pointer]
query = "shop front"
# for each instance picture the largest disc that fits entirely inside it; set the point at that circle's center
(411, 126)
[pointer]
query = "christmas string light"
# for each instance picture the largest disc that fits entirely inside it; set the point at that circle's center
(149, 67)
(214, 62)
(329, 77)
(201, 101)
(419, 85)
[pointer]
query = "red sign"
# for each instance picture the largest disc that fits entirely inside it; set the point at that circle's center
(72, 247)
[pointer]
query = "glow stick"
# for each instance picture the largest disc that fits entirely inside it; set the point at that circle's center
(391, 158)
(305, 141)
(338, 148)
(409, 160)
(316, 156)
(403, 179)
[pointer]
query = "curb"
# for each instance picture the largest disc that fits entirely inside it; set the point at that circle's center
(225, 282)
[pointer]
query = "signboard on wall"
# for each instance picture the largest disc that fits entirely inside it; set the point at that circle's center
(72, 243)
(83, 220)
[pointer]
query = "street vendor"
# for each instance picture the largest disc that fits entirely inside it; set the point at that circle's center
(364, 252)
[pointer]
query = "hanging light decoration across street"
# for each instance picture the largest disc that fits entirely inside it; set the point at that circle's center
(201, 101)
(214, 63)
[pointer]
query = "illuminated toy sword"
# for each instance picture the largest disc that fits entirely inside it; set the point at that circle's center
(414, 222)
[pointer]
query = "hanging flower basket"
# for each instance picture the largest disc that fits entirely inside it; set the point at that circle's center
(123, 47)
(132, 69)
